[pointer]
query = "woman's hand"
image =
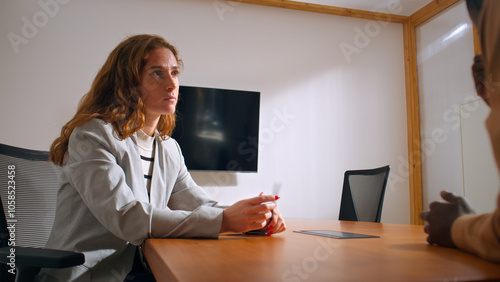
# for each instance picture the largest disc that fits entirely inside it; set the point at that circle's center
(276, 224)
(251, 214)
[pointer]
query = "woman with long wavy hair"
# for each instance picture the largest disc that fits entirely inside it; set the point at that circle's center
(124, 179)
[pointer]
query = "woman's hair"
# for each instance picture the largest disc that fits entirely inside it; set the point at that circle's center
(115, 95)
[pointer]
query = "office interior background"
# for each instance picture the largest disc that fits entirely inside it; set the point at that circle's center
(332, 91)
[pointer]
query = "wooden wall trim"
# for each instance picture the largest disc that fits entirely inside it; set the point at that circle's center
(413, 124)
(477, 41)
(430, 10)
(323, 9)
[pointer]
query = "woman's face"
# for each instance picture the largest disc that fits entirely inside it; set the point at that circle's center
(160, 83)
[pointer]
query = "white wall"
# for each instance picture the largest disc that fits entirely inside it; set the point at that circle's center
(445, 51)
(480, 174)
(342, 112)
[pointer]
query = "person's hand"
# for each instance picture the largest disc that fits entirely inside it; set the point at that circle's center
(249, 214)
(478, 73)
(441, 216)
(276, 224)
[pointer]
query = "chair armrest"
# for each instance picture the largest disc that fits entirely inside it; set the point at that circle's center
(40, 257)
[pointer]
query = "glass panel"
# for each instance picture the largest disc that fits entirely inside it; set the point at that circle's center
(445, 50)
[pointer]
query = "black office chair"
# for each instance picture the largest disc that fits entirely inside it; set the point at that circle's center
(28, 192)
(363, 194)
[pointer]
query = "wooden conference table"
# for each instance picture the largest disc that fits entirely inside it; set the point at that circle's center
(400, 254)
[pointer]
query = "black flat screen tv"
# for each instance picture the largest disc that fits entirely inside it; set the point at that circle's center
(218, 129)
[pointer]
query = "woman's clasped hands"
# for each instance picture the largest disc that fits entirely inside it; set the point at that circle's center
(257, 213)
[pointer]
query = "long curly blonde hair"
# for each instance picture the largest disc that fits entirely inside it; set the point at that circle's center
(115, 95)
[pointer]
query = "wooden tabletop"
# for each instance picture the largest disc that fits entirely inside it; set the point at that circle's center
(400, 254)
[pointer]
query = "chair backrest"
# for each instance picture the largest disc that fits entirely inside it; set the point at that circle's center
(363, 194)
(28, 192)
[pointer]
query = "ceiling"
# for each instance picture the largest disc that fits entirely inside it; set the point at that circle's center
(398, 7)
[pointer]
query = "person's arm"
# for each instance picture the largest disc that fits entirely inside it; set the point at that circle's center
(92, 169)
(479, 234)
(453, 224)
